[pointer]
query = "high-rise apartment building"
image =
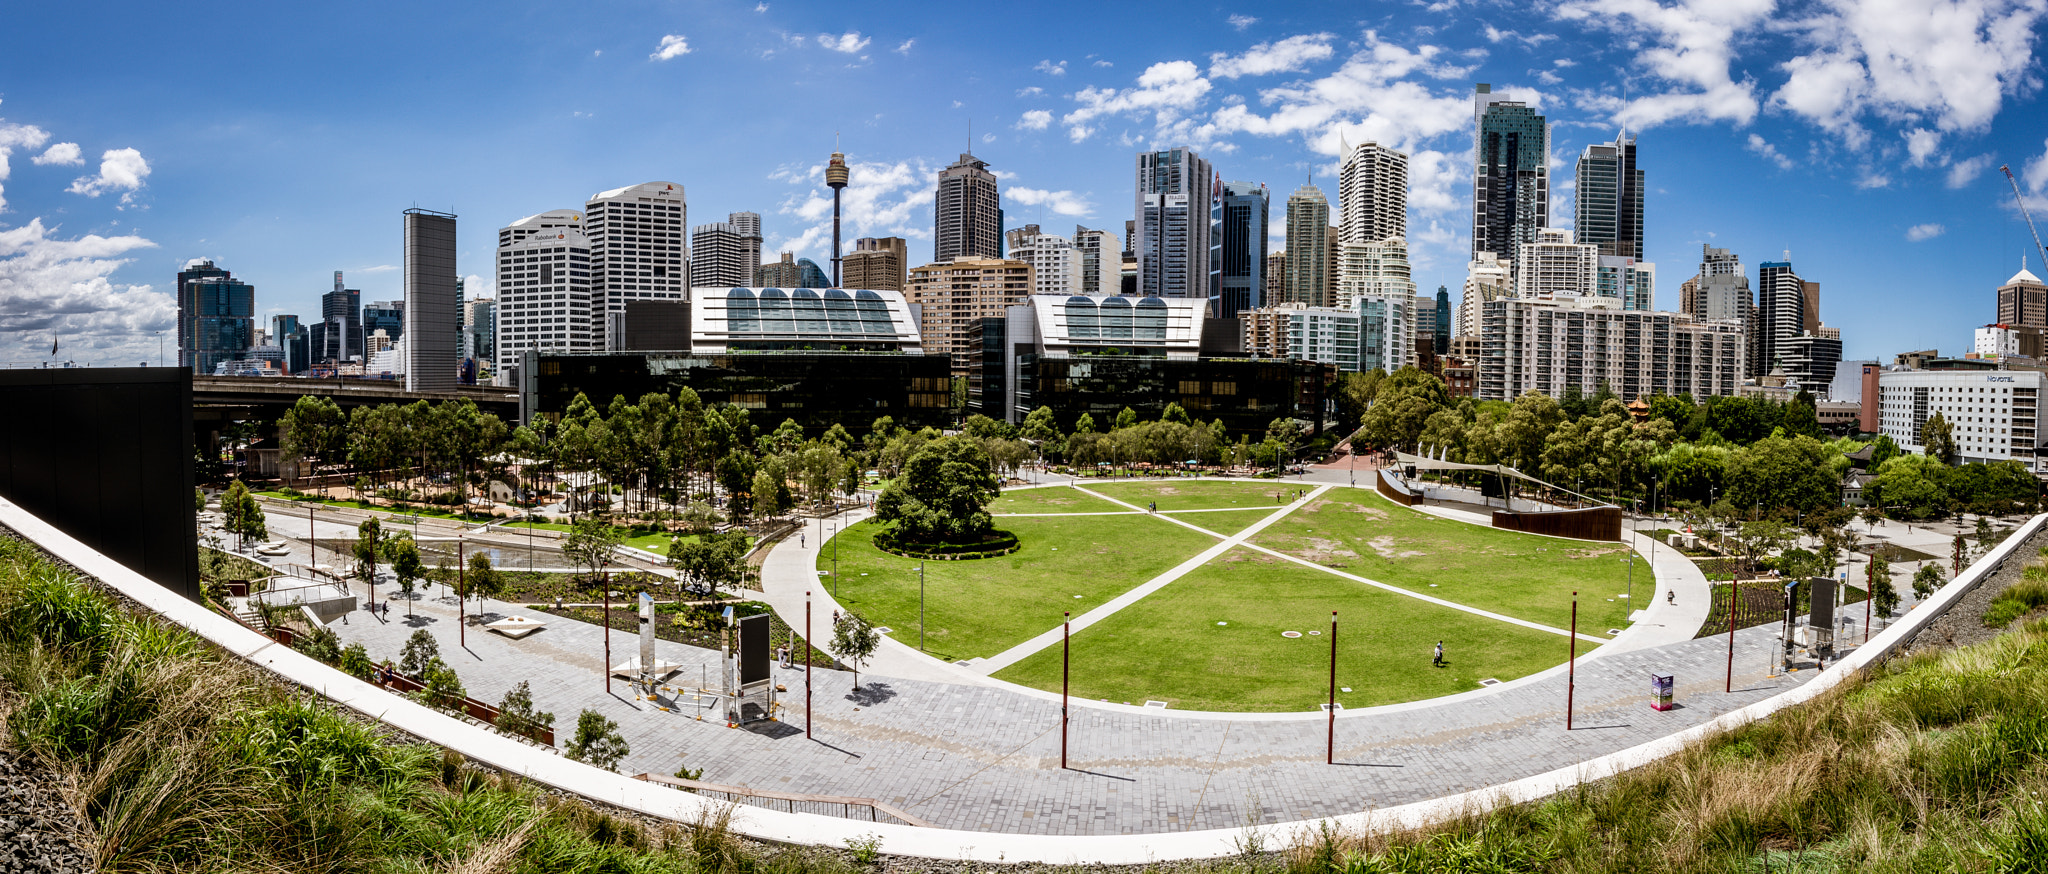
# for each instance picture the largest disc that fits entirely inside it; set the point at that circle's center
(1241, 239)
(1780, 314)
(1624, 279)
(967, 212)
(1372, 194)
(1371, 268)
(953, 295)
(1487, 278)
(1308, 280)
(1101, 261)
(1442, 340)
(2023, 300)
(216, 316)
(1553, 266)
(637, 250)
(724, 254)
(433, 356)
(544, 284)
(1055, 262)
(878, 264)
(780, 273)
(1386, 331)
(480, 330)
(1174, 192)
(1609, 197)
(1720, 290)
(1274, 289)
(1551, 346)
(1510, 174)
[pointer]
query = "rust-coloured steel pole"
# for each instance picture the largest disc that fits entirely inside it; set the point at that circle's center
(604, 580)
(1869, 595)
(1571, 682)
(461, 590)
(1734, 597)
(1066, 661)
(807, 664)
(1330, 751)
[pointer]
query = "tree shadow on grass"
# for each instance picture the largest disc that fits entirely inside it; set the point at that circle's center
(871, 694)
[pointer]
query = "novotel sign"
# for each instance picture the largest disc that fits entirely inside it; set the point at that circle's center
(1998, 379)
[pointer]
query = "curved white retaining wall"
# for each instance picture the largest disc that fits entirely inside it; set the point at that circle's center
(482, 745)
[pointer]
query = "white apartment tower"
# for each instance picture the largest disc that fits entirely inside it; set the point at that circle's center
(1372, 267)
(1487, 278)
(1551, 346)
(544, 289)
(1372, 194)
(1101, 261)
(724, 254)
(1175, 189)
(637, 250)
(1055, 263)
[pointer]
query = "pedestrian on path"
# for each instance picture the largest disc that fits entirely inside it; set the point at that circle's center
(1438, 662)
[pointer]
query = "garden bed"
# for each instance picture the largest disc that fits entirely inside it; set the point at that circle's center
(995, 544)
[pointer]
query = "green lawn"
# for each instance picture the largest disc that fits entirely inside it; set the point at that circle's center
(1051, 499)
(1168, 647)
(982, 607)
(365, 505)
(1225, 522)
(1526, 576)
(1193, 494)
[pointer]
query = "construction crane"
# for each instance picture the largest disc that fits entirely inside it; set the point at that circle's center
(2007, 170)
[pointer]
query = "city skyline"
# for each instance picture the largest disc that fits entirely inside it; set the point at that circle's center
(1885, 189)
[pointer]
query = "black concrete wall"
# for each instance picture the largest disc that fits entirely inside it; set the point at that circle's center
(105, 455)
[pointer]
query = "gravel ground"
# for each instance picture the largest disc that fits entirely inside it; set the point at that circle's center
(36, 827)
(1963, 625)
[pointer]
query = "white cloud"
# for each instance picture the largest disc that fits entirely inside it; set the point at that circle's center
(1690, 45)
(1945, 62)
(60, 154)
(760, 7)
(479, 287)
(122, 169)
(1921, 144)
(850, 42)
(1167, 89)
(1104, 64)
(17, 136)
(1051, 69)
(1496, 35)
(1368, 98)
(1286, 56)
(672, 46)
(1770, 152)
(378, 268)
(1962, 173)
(1874, 179)
(1037, 119)
(904, 47)
(1917, 233)
(1032, 91)
(1060, 202)
(1242, 21)
(55, 287)
(2036, 173)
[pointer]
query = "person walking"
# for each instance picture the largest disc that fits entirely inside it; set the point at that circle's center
(1438, 661)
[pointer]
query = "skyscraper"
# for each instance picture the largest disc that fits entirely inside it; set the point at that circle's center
(433, 352)
(1609, 195)
(1055, 262)
(1372, 194)
(2023, 300)
(544, 281)
(1554, 265)
(1510, 174)
(1242, 238)
(1376, 268)
(338, 336)
(1308, 278)
(1486, 279)
(637, 251)
(385, 315)
(967, 212)
(724, 254)
(216, 316)
(1174, 190)
(877, 263)
(1632, 282)
(780, 273)
(1443, 320)
(1101, 261)
(1780, 313)
(1720, 290)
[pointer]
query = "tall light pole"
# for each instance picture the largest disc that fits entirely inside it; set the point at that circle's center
(920, 605)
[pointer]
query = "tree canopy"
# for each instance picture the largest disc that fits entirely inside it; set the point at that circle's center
(942, 494)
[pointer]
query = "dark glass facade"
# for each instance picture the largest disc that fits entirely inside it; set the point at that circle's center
(1247, 395)
(817, 389)
(987, 368)
(216, 317)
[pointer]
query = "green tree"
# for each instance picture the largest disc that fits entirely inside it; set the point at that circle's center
(943, 493)
(367, 549)
(420, 649)
(1676, 409)
(199, 499)
(406, 565)
(320, 644)
(1040, 426)
(483, 580)
(1085, 424)
(1796, 473)
(598, 741)
(1878, 581)
(1175, 413)
(1939, 438)
(1690, 472)
(1401, 407)
(1800, 417)
(1910, 487)
(355, 662)
(315, 430)
(1125, 418)
(1927, 579)
(590, 544)
(517, 716)
(854, 642)
(443, 687)
(1882, 449)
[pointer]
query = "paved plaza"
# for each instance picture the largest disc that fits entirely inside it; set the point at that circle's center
(959, 749)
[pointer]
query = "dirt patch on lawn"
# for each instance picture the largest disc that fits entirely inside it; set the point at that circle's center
(1374, 513)
(1388, 548)
(1318, 549)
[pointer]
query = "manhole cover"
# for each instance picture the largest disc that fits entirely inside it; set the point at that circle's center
(1290, 634)
(884, 630)
(1489, 681)
(1315, 632)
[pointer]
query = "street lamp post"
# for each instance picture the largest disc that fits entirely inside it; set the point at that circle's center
(920, 606)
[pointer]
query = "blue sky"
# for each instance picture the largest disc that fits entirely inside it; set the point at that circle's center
(283, 140)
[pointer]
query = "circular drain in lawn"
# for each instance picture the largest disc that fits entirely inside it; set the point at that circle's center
(1290, 634)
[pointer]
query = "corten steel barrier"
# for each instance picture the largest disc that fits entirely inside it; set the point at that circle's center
(1394, 490)
(481, 745)
(1590, 523)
